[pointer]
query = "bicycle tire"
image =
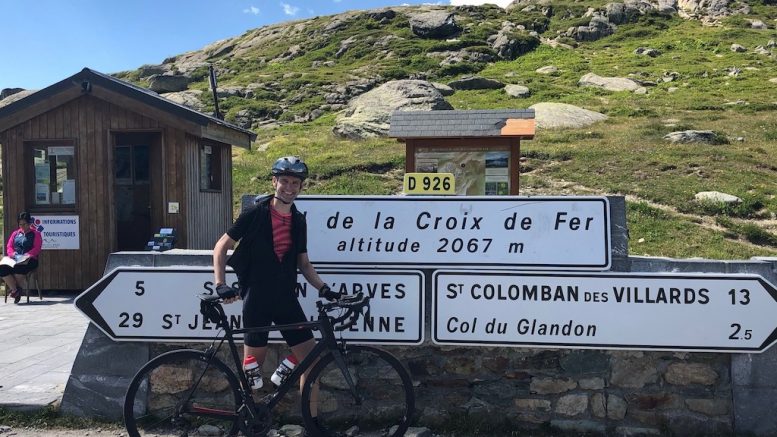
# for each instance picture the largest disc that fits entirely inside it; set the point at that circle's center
(179, 392)
(388, 400)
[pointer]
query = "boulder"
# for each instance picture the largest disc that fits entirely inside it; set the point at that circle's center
(716, 196)
(548, 69)
(646, 51)
(608, 83)
(518, 91)
(16, 96)
(167, 83)
(367, 116)
(562, 115)
(475, 83)
(694, 136)
(738, 48)
(434, 24)
(6, 92)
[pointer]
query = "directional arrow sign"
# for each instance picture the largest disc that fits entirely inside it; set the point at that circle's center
(161, 304)
(694, 312)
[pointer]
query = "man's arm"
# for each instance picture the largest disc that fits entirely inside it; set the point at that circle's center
(220, 258)
(308, 271)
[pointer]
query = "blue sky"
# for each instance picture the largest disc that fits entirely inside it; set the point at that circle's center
(45, 41)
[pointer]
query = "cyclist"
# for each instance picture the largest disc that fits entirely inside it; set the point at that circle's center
(278, 248)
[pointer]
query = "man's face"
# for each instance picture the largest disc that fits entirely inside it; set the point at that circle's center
(287, 188)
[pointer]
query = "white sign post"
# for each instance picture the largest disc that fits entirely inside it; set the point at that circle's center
(566, 233)
(693, 312)
(161, 304)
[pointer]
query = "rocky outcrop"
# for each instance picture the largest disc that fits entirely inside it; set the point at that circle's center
(188, 98)
(512, 41)
(562, 115)
(695, 136)
(716, 196)
(608, 83)
(597, 28)
(434, 24)
(368, 115)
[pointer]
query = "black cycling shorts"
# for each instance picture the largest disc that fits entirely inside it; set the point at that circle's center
(280, 307)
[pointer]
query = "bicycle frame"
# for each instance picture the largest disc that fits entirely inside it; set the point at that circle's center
(328, 342)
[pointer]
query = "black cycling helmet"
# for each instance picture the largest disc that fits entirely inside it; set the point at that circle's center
(290, 166)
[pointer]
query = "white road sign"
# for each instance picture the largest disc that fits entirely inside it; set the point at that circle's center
(566, 233)
(161, 304)
(650, 311)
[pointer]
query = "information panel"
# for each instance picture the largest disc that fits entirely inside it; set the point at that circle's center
(698, 312)
(566, 233)
(161, 304)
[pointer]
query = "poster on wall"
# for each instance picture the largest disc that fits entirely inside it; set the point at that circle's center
(477, 171)
(60, 232)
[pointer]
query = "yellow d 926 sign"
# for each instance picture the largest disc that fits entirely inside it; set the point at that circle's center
(429, 183)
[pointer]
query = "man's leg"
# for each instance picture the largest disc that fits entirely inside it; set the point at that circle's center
(259, 352)
(301, 351)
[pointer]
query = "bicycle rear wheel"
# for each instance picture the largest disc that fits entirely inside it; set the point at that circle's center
(183, 392)
(385, 400)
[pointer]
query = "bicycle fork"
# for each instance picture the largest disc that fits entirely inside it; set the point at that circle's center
(340, 361)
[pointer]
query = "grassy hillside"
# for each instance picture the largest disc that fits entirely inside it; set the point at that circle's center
(713, 88)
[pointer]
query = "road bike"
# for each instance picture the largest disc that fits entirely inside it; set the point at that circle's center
(351, 389)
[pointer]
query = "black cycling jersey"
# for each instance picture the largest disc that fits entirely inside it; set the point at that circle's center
(270, 296)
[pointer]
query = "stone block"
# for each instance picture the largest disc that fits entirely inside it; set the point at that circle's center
(572, 404)
(616, 407)
(595, 383)
(633, 372)
(579, 426)
(544, 386)
(690, 373)
(710, 407)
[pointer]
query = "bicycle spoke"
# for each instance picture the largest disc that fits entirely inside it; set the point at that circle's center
(181, 393)
(383, 397)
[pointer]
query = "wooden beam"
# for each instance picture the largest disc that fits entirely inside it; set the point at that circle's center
(226, 135)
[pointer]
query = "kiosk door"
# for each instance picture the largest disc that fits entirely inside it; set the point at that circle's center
(132, 192)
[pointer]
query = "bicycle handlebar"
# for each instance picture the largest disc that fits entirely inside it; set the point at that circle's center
(353, 304)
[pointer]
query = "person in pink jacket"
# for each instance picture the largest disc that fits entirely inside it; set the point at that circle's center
(21, 255)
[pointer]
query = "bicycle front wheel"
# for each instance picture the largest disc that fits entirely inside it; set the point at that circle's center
(181, 393)
(381, 403)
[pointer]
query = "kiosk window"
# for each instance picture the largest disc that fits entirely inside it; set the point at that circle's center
(210, 167)
(53, 167)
